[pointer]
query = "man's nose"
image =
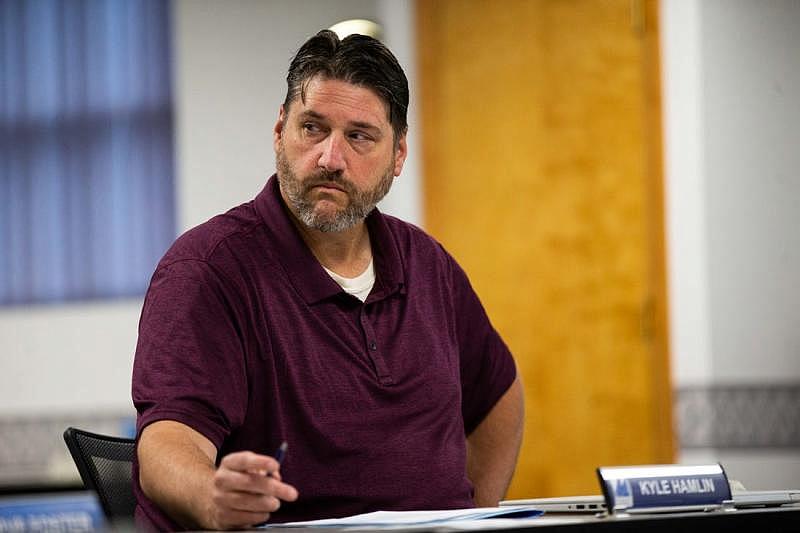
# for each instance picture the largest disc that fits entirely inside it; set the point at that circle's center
(332, 156)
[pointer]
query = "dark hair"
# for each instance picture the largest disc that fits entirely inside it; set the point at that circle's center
(356, 59)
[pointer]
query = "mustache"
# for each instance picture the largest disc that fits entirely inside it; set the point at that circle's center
(327, 177)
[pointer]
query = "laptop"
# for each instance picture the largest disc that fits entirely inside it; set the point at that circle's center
(564, 504)
(595, 504)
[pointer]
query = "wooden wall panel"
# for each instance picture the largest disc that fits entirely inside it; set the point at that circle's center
(541, 165)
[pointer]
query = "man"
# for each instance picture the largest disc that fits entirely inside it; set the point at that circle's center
(307, 316)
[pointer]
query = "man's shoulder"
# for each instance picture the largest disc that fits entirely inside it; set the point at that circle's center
(416, 246)
(206, 241)
(409, 236)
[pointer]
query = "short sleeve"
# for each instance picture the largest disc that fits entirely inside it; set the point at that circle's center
(487, 367)
(190, 364)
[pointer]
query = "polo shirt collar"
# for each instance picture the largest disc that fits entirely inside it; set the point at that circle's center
(305, 272)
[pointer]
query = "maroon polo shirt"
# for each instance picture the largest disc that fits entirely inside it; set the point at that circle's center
(245, 338)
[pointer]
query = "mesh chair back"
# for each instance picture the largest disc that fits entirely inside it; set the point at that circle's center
(104, 464)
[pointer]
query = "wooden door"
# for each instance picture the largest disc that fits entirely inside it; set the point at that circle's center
(541, 142)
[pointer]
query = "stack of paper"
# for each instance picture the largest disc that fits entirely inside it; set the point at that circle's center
(457, 518)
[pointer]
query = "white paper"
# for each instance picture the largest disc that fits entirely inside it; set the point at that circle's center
(389, 519)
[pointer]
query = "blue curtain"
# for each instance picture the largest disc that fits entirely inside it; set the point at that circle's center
(86, 147)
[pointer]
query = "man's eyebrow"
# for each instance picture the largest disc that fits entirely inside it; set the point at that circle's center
(366, 126)
(308, 113)
(311, 114)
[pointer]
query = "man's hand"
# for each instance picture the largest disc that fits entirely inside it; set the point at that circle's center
(177, 472)
(247, 487)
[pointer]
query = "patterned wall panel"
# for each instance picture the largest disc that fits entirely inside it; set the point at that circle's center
(742, 416)
(32, 449)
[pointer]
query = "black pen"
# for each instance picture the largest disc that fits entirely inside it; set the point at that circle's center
(280, 454)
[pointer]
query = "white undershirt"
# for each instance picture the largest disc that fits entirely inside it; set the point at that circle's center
(358, 286)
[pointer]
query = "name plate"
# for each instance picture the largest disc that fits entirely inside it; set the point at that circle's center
(663, 488)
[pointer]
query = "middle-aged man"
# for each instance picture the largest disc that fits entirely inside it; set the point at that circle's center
(306, 316)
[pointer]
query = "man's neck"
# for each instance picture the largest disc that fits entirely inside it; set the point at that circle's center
(347, 253)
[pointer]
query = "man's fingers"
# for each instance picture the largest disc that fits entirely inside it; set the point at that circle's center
(249, 462)
(247, 502)
(245, 508)
(232, 481)
(284, 491)
(243, 494)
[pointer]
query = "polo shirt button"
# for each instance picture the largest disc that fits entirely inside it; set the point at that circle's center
(373, 346)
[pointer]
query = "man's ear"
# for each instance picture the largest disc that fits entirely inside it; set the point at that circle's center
(400, 154)
(277, 131)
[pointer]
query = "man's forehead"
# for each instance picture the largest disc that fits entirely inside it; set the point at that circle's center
(319, 93)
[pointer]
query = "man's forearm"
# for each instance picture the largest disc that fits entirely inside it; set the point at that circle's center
(493, 447)
(177, 472)
(176, 466)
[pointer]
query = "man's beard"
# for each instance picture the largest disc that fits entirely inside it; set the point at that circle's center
(298, 193)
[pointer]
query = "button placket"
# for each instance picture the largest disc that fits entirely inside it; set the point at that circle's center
(373, 349)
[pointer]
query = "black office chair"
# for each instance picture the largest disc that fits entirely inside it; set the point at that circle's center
(104, 464)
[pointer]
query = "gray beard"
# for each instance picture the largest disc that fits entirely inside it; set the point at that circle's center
(358, 208)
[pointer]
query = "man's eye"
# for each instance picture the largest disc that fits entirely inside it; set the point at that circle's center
(310, 127)
(360, 136)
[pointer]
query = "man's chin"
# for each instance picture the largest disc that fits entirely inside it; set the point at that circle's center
(327, 209)
(325, 220)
